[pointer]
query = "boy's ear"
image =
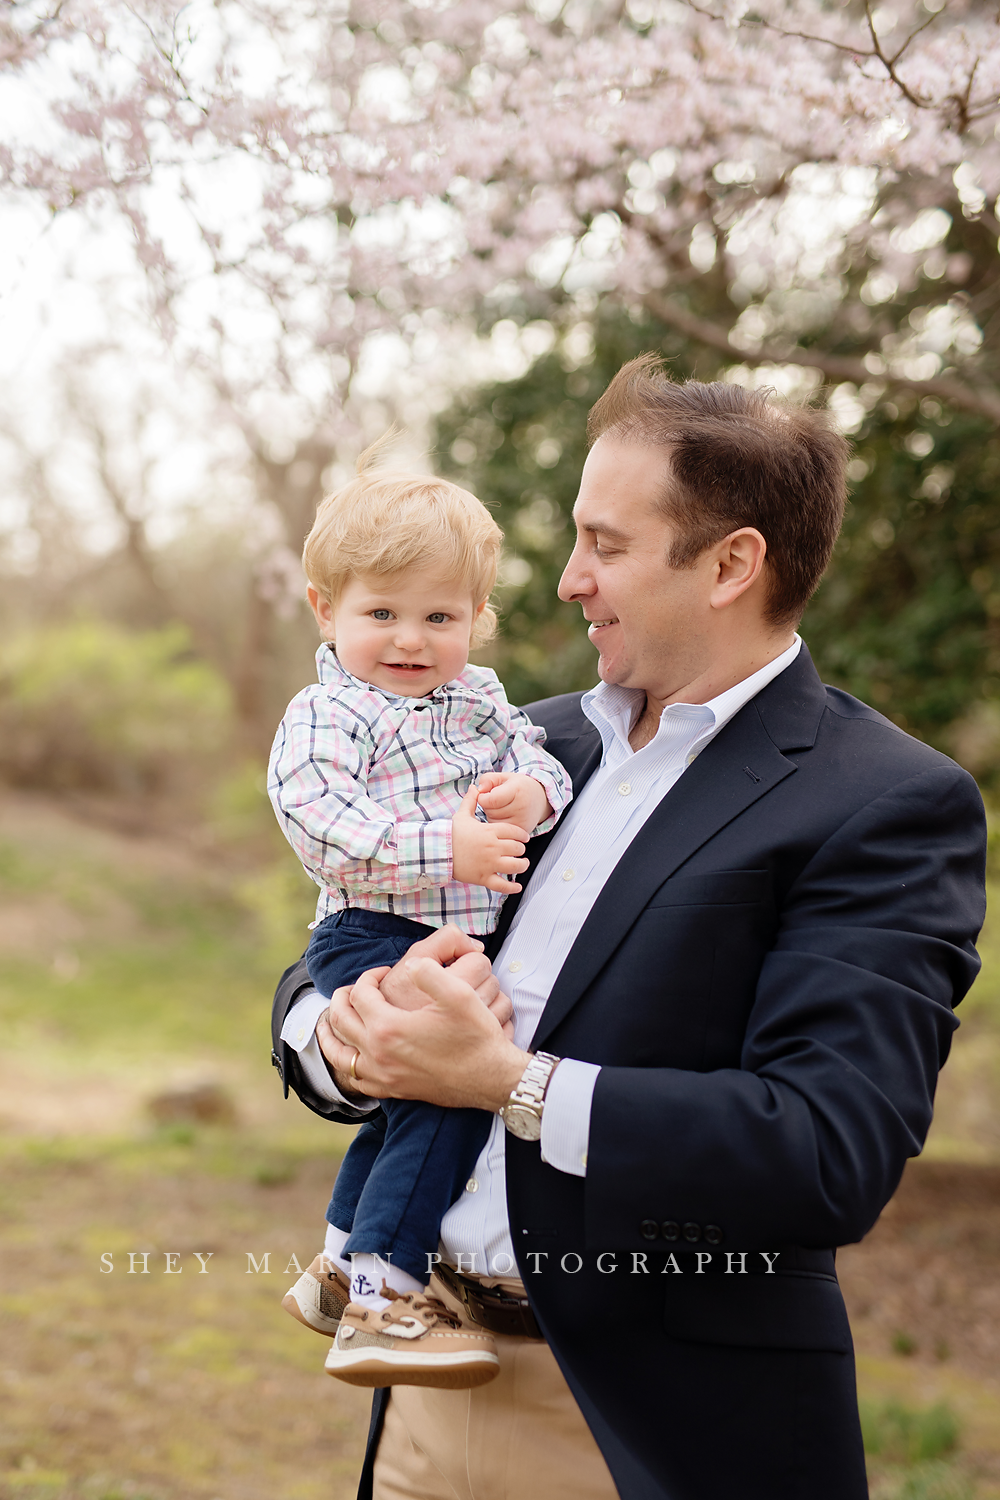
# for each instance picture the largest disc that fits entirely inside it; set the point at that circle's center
(323, 610)
(480, 608)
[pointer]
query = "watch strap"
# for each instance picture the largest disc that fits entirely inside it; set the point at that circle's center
(528, 1095)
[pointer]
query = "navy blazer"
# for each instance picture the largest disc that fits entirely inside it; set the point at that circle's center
(767, 980)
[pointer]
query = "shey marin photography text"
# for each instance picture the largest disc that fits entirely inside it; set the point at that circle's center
(608, 1262)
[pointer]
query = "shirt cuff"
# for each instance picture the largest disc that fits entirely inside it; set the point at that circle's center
(423, 854)
(559, 795)
(299, 1032)
(566, 1116)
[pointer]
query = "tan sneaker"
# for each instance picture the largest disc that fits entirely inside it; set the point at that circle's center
(319, 1296)
(416, 1340)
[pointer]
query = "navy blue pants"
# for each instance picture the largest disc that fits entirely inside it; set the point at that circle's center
(406, 1166)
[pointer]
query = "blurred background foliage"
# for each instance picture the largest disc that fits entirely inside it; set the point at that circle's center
(92, 706)
(908, 617)
(159, 669)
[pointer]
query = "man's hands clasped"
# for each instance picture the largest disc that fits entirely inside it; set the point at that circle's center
(425, 1031)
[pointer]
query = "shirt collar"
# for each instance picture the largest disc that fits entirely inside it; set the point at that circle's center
(613, 709)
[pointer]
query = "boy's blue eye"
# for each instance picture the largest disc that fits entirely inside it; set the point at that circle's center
(381, 614)
(438, 618)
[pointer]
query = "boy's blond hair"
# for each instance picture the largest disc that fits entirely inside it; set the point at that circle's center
(387, 522)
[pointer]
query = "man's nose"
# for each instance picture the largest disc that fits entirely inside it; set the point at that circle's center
(575, 581)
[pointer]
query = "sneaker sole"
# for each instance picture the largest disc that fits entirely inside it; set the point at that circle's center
(328, 1328)
(377, 1368)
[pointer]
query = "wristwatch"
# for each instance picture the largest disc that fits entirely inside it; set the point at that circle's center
(522, 1114)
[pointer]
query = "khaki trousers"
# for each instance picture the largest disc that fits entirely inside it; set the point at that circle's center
(522, 1437)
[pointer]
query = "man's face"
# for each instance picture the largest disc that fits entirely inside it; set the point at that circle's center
(649, 621)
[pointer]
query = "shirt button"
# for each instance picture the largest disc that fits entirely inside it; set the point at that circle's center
(691, 759)
(624, 787)
(300, 1033)
(568, 874)
(472, 1186)
(516, 966)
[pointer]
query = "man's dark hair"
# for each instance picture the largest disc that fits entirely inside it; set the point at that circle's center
(737, 458)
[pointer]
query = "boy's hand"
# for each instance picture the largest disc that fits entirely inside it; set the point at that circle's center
(511, 797)
(484, 853)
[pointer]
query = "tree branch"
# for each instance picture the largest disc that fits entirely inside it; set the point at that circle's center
(981, 400)
(876, 51)
(889, 63)
(765, 25)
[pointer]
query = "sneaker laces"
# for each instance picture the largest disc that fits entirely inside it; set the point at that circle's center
(421, 1302)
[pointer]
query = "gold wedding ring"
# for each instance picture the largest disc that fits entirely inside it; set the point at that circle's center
(354, 1060)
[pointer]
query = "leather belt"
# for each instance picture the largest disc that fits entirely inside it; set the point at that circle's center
(489, 1307)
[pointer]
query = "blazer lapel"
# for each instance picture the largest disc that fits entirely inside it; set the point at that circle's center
(742, 764)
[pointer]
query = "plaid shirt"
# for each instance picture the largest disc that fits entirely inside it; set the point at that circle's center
(365, 785)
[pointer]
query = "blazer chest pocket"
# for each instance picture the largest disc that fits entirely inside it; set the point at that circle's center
(720, 888)
(759, 1312)
(697, 947)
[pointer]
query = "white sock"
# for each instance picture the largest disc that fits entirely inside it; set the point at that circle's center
(333, 1248)
(369, 1273)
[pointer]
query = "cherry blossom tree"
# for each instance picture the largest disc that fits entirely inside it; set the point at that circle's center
(802, 184)
(802, 194)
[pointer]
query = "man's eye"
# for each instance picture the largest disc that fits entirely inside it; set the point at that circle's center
(381, 614)
(438, 618)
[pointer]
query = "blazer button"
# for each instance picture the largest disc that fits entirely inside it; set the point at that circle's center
(670, 1230)
(692, 1232)
(714, 1234)
(649, 1229)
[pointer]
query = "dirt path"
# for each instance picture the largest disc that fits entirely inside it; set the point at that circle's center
(164, 1387)
(190, 1386)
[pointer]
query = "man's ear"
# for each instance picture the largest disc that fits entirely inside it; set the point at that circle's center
(323, 610)
(739, 560)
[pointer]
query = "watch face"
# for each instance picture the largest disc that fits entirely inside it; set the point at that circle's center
(524, 1123)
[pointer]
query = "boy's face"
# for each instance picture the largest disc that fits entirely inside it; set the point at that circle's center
(407, 634)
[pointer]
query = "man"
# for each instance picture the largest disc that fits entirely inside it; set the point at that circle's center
(733, 970)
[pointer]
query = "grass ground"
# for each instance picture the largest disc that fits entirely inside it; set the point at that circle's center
(117, 1385)
(130, 965)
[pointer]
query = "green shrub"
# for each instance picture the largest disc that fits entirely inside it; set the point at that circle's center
(901, 1434)
(931, 1481)
(92, 707)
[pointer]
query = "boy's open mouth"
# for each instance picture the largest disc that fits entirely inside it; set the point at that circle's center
(407, 666)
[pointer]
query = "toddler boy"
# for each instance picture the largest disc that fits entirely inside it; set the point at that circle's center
(376, 775)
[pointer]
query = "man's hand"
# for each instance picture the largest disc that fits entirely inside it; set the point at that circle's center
(512, 797)
(451, 1051)
(485, 853)
(447, 946)
(456, 950)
